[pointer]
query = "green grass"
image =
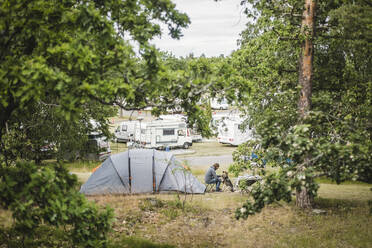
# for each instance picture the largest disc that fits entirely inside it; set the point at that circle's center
(208, 221)
(136, 242)
(158, 220)
(82, 165)
(330, 181)
(117, 147)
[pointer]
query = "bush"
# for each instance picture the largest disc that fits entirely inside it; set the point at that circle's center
(47, 195)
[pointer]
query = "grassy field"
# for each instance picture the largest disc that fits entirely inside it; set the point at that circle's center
(209, 149)
(208, 220)
(199, 149)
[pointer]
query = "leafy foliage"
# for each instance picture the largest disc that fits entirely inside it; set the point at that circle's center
(334, 139)
(47, 195)
(43, 133)
(60, 62)
(72, 52)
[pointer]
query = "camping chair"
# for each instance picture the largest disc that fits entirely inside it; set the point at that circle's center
(209, 188)
(249, 180)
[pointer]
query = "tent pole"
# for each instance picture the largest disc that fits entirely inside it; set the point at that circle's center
(130, 175)
(165, 171)
(121, 179)
(153, 172)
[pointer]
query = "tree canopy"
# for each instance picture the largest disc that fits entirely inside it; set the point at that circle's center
(335, 136)
(69, 52)
(63, 63)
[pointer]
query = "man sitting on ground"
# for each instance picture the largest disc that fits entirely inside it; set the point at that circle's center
(212, 178)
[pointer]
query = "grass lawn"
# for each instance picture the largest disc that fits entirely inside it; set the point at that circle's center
(209, 149)
(208, 220)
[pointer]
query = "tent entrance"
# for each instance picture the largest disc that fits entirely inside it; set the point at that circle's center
(142, 174)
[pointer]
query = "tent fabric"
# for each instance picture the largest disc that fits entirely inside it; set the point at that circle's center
(141, 171)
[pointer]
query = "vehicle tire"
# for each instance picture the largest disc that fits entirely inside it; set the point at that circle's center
(186, 145)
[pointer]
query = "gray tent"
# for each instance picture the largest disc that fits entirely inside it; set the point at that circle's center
(141, 171)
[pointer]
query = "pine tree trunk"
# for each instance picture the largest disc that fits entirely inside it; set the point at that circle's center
(303, 199)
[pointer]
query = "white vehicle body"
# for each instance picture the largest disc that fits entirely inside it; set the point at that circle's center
(98, 147)
(229, 132)
(163, 133)
(125, 131)
(174, 117)
(196, 137)
(217, 118)
(219, 104)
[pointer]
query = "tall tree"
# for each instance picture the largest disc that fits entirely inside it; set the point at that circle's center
(59, 60)
(74, 51)
(305, 79)
(306, 64)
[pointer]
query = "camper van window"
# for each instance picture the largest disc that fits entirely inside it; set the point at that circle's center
(124, 128)
(181, 132)
(95, 136)
(168, 131)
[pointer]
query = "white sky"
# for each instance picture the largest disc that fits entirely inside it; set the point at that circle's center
(214, 28)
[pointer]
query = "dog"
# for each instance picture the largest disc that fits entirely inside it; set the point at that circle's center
(226, 180)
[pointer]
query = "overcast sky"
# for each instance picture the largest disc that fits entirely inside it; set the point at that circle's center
(214, 28)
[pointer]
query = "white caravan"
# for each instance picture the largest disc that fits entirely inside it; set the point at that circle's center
(229, 132)
(162, 134)
(125, 131)
(217, 118)
(195, 135)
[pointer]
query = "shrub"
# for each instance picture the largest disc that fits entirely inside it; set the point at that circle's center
(39, 195)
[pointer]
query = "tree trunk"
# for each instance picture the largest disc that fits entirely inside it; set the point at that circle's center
(303, 199)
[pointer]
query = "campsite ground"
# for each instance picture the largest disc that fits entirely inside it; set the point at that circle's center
(208, 220)
(171, 220)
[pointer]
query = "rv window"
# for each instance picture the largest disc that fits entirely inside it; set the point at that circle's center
(124, 128)
(181, 132)
(168, 131)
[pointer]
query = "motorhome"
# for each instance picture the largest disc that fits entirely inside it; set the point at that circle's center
(98, 147)
(195, 135)
(125, 131)
(217, 118)
(161, 134)
(230, 131)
